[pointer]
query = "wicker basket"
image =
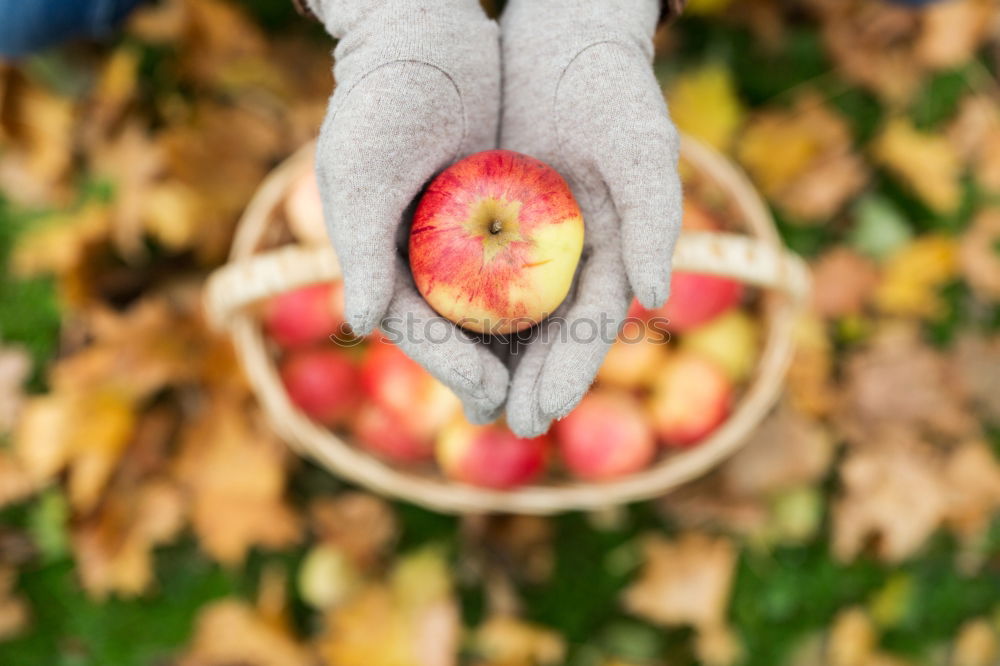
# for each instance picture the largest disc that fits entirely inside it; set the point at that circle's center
(757, 259)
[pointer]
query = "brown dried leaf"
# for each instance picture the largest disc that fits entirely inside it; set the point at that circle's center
(977, 644)
(131, 161)
(411, 621)
(231, 631)
(900, 380)
(894, 475)
(718, 646)
(785, 451)
(360, 525)
(708, 504)
(114, 546)
(233, 468)
(843, 282)
(504, 640)
(852, 639)
(871, 44)
(87, 431)
(818, 170)
(976, 360)
(979, 256)
(685, 581)
(972, 477)
(36, 131)
(952, 32)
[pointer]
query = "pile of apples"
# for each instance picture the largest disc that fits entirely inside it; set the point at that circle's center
(663, 387)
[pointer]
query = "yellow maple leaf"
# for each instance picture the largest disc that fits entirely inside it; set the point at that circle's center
(802, 158)
(704, 103)
(927, 162)
(234, 469)
(57, 244)
(913, 275)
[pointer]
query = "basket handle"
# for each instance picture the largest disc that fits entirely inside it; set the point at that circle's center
(242, 283)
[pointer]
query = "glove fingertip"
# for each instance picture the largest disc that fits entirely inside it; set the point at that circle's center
(652, 291)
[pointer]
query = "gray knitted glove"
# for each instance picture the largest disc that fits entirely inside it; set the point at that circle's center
(579, 93)
(418, 87)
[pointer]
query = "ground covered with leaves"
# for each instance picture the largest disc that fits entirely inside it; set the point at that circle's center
(149, 516)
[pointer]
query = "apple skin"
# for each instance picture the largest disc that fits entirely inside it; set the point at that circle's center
(695, 299)
(731, 340)
(607, 436)
(631, 365)
(322, 382)
(690, 397)
(490, 456)
(495, 241)
(306, 315)
(396, 383)
(379, 431)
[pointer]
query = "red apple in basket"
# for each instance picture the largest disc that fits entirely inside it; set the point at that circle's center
(605, 437)
(322, 382)
(418, 403)
(490, 455)
(695, 298)
(381, 432)
(305, 315)
(691, 396)
(495, 241)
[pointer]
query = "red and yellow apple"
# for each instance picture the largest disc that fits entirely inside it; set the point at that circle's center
(495, 241)
(490, 455)
(322, 382)
(306, 315)
(607, 436)
(420, 404)
(730, 340)
(630, 364)
(690, 397)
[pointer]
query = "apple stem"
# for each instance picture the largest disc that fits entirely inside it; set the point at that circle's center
(495, 227)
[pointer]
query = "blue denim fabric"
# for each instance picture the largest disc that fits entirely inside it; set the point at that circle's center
(30, 25)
